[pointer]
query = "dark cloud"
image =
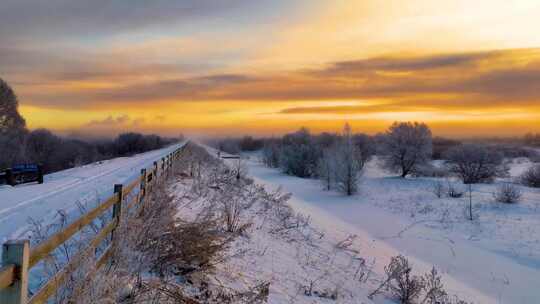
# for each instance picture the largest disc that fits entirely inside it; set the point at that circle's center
(397, 64)
(67, 18)
(364, 109)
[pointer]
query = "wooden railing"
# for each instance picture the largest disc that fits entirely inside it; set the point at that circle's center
(18, 258)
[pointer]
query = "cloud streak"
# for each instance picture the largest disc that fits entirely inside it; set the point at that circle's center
(443, 81)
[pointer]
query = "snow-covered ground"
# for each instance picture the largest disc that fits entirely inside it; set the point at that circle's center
(494, 259)
(61, 190)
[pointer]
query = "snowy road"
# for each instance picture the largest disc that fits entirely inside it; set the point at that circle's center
(477, 274)
(88, 184)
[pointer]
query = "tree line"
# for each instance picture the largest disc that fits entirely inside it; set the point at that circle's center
(405, 148)
(53, 152)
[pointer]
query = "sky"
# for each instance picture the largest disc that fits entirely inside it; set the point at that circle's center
(207, 67)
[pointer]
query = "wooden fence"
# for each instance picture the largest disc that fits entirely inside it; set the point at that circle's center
(18, 258)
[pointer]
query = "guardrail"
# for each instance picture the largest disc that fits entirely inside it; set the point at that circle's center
(18, 258)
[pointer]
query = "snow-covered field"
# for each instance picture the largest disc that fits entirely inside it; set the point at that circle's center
(493, 259)
(62, 190)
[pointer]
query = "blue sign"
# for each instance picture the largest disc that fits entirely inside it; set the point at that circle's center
(25, 168)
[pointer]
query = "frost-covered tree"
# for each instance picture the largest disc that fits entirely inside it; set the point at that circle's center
(326, 168)
(474, 163)
(299, 155)
(405, 146)
(270, 153)
(349, 163)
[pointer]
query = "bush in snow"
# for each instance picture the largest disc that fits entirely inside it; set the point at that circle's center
(454, 191)
(399, 280)
(531, 177)
(475, 163)
(405, 146)
(433, 288)
(507, 193)
(412, 289)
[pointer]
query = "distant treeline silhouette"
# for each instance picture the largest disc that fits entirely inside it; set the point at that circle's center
(53, 152)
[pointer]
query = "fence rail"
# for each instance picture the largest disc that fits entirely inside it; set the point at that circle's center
(18, 258)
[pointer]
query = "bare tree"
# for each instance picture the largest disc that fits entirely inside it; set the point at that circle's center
(326, 168)
(474, 163)
(349, 163)
(405, 146)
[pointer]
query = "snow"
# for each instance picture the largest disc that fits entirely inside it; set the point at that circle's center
(61, 190)
(289, 257)
(494, 259)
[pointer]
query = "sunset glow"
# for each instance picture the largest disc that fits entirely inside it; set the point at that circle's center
(468, 68)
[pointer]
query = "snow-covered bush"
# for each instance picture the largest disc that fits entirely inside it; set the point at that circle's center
(405, 147)
(403, 285)
(507, 193)
(474, 163)
(412, 289)
(454, 191)
(531, 177)
(433, 288)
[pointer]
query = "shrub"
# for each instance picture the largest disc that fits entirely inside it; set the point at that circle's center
(453, 191)
(433, 288)
(507, 193)
(404, 286)
(475, 163)
(409, 289)
(531, 177)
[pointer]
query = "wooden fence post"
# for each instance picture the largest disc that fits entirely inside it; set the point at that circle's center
(155, 168)
(17, 253)
(117, 207)
(142, 188)
(142, 191)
